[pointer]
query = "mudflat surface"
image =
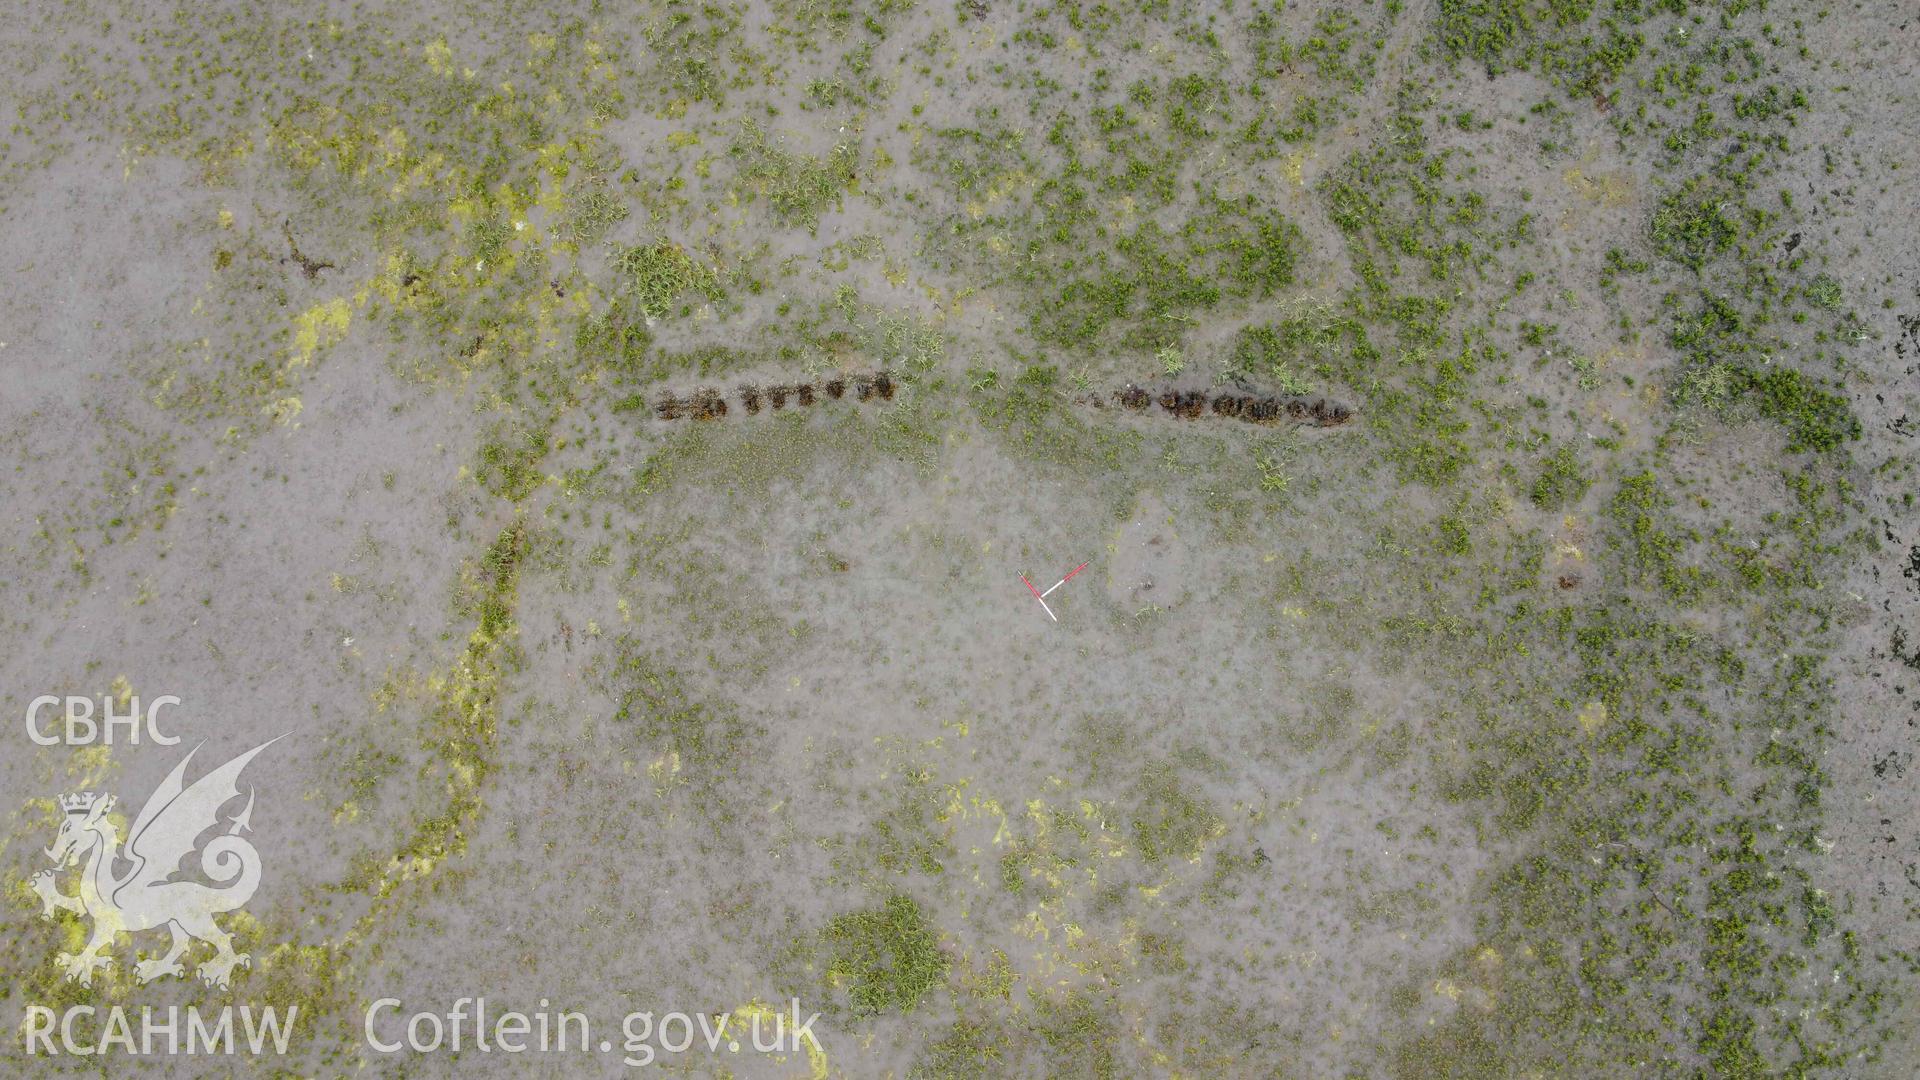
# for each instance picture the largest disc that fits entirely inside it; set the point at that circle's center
(605, 444)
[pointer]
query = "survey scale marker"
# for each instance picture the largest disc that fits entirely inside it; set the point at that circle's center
(1042, 596)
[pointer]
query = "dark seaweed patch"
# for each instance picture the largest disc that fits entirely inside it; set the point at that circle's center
(708, 404)
(1193, 404)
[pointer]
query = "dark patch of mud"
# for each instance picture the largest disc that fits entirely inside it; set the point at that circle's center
(707, 403)
(1319, 412)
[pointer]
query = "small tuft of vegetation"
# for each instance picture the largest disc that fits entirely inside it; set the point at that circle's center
(887, 957)
(1562, 480)
(657, 274)
(798, 187)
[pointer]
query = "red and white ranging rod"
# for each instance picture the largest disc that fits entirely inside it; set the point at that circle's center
(1042, 596)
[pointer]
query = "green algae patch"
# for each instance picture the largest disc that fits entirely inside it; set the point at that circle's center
(886, 958)
(317, 327)
(463, 718)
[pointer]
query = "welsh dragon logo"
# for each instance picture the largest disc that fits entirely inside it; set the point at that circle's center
(146, 896)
